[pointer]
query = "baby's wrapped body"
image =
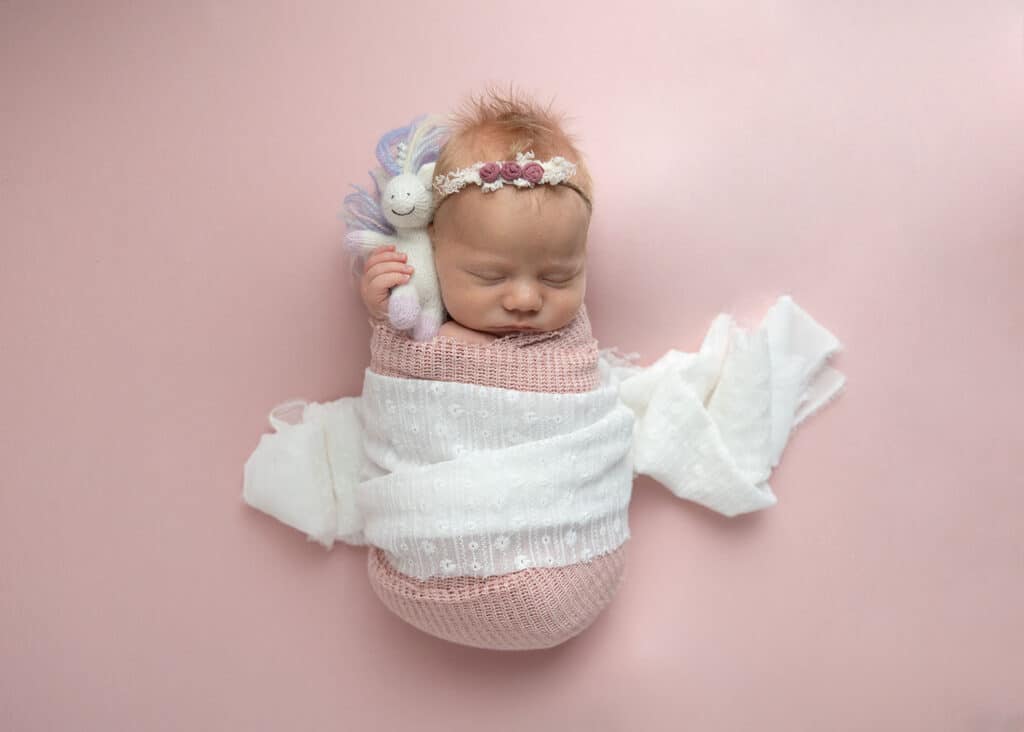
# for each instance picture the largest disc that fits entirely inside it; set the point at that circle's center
(491, 483)
(530, 608)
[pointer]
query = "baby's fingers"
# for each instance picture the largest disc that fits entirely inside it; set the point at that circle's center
(384, 254)
(380, 268)
(379, 285)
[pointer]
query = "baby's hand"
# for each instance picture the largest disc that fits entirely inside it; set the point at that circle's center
(384, 269)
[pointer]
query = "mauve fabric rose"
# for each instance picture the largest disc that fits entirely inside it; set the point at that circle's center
(510, 171)
(489, 172)
(533, 172)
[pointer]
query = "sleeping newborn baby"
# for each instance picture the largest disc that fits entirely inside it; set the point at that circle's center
(511, 263)
(489, 468)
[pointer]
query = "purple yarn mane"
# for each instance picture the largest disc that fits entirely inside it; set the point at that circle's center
(363, 212)
(423, 137)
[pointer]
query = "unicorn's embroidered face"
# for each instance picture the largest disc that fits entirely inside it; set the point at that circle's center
(407, 200)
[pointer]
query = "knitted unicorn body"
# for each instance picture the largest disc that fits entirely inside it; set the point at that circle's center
(417, 304)
(398, 214)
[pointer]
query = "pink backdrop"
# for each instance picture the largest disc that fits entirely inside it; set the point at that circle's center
(171, 269)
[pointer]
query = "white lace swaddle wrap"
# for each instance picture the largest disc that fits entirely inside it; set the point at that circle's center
(475, 480)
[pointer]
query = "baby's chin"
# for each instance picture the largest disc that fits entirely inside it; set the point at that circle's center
(532, 328)
(497, 323)
(514, 329)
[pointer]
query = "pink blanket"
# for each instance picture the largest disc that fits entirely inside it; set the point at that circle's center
(533, 608)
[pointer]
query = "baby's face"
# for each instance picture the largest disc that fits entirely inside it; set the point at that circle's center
(512, 260)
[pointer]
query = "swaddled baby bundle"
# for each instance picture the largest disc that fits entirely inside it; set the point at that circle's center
(491, 483)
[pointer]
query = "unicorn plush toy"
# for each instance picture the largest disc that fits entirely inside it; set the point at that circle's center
(398, 213)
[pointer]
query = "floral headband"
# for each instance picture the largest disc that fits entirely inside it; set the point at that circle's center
(524, 172)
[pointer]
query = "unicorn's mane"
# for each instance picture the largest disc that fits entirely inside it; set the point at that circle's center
(363, 211)
(423, 139)
(424, 145)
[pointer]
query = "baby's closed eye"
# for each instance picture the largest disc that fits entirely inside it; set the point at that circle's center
(558, 278)
(491, 277)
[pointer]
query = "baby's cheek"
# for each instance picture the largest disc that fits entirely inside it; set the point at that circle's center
(448, 289)
(567, 304)
(459, 298)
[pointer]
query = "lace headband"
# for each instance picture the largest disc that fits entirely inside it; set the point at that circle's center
(523, 172)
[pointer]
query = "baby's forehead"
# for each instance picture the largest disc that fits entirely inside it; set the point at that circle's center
(534, 251)
(544, 207)
(518, 250)
(507, 224)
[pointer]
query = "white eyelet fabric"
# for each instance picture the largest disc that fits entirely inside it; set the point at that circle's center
(454, 479)
(470, 480)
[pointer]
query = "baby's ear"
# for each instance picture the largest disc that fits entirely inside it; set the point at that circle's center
(426, 175)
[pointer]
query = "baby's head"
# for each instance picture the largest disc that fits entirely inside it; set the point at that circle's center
(514, 258)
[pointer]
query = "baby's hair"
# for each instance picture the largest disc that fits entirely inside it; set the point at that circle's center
(507, 123)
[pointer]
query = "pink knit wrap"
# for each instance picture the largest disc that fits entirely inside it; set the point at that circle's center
(533, 608)
(560, 361)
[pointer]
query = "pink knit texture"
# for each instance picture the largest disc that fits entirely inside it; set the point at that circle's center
(533, 608)
(562, 361)
(526, 610)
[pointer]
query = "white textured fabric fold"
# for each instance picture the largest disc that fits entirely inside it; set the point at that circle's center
(304, 474)
(460, 479)
(477, 481)
(712, 425)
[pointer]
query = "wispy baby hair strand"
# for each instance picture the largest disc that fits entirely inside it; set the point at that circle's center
(504, 123)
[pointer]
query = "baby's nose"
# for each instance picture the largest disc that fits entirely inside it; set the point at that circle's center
(522, 296)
